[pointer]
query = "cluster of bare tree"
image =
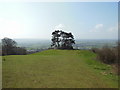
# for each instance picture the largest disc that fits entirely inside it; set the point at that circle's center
(62, 40)
(9, 47)
(109, 55)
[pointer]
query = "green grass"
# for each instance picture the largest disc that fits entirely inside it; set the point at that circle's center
(0, 72)
(57, 69)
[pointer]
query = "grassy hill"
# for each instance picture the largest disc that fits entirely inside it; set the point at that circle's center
(57, 69)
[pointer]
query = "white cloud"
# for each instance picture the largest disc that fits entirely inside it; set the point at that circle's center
(10, 28)
(59, 27)
(114, 28)
(102, 31)
(97, 28)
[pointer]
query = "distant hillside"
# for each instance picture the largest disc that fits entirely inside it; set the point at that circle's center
(80, 43)
(57, 69)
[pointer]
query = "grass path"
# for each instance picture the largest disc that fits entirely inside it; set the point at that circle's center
(57, 69)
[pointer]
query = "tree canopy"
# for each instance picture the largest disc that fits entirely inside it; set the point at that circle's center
(9, 47)
(62, 40)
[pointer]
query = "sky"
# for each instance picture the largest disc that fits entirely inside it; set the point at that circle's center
(37, 20)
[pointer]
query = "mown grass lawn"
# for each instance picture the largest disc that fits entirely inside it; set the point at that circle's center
(57, 69)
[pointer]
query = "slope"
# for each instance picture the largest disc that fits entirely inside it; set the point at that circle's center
(57, 69)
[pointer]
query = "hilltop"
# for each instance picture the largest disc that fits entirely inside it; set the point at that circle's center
(57, 69)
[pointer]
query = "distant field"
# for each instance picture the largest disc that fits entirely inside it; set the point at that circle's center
(57, 69)
(80, 43)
